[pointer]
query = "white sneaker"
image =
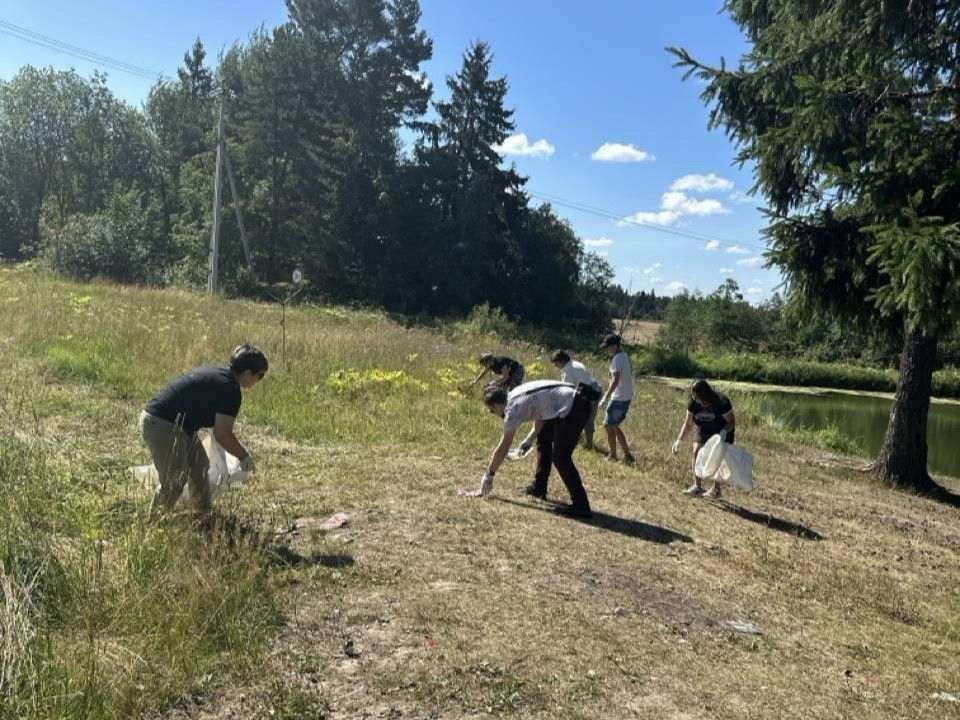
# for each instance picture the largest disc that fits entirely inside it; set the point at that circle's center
(713, 492)
(693, 491)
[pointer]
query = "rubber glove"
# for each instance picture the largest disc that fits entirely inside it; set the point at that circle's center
(676, 447)
(486, 484)
(248, 464)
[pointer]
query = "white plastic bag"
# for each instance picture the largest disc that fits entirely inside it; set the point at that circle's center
(722, 462)
(224, 471)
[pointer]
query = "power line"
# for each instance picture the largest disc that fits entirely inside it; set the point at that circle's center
(582, 207)
(21, 33)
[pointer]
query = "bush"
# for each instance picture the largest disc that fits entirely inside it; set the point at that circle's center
(484, 321)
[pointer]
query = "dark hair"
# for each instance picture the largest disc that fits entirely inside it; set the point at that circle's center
(494, 395)
(710, 397)
(248, 357)
(486, 358)
(560, 356)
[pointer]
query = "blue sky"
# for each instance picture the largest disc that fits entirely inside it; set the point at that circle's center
(607, 122)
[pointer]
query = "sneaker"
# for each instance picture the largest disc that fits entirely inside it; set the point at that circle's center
(532, 491)
(693, 491)
(611, 457)
(572, 512)
(629, 459)
(713, 492)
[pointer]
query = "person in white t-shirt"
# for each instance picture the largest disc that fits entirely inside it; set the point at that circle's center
(576, 373)
(558, 412)
(618, 398)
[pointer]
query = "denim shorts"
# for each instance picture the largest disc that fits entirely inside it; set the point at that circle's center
(616, 412)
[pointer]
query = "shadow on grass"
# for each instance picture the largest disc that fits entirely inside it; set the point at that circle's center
(288, 557)
(945, 496)
(613, 523)
(771, 521)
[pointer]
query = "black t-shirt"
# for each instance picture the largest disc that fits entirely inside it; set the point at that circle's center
(710, 422)
(501, 363)
(194, 399)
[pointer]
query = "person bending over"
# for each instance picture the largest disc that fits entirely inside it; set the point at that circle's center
(575, 373)
(712, 414)
(509, 372)
(558, 412)
(205, 397)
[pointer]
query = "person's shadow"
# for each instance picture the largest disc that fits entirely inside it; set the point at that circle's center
(771, 521)
(286, 556)
(624, 526)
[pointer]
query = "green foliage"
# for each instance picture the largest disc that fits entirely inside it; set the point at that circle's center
(486, 321)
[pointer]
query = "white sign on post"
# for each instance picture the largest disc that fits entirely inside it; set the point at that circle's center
(297, 276)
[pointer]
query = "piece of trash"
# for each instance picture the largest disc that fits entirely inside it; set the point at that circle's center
(349, 649)
(335, 521)
(945, 697)
(519, 453)
(432, 642)
(467, 492)
(742, 626)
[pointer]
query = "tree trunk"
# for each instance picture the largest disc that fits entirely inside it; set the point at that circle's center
(903, 457)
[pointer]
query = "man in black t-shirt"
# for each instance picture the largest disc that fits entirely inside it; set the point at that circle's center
(510, 371)
(205, 397)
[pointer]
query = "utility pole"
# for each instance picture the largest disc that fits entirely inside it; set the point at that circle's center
(223, 158)
(215, 233)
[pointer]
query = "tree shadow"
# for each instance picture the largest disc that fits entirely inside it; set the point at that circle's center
(288, 557)
(771, 521)
(943, 495)
(613, 523)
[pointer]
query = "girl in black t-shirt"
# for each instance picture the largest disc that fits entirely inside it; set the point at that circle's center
(510, 371)
(712, 413)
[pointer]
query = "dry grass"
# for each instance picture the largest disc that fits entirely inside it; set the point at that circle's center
(640, 332)
(427, 605)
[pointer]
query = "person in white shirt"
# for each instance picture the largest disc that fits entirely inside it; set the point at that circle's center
(618, 398)
(558, 412)
(576, 373)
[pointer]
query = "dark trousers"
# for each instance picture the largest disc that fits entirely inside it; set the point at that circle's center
(555, 444)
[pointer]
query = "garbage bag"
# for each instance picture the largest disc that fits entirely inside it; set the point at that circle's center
(722, 462)
(224, 471)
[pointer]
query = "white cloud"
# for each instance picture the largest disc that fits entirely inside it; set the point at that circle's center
(740, 197)
(675, 286)
(519, 144)
(598, 242)
(651, 268)
(618, 152)
(602, 253)
(712, 245)
(754, 291)
(750, 262)
(737, 250)
(656, 279)
(675, 205)
(727, 270)
(702, 183)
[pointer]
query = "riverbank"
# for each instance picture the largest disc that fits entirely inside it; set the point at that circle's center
(769, 371)
(427, 604)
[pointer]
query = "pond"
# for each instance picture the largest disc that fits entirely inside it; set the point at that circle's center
(864, 418)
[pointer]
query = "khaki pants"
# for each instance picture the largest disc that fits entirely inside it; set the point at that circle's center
(179, 459)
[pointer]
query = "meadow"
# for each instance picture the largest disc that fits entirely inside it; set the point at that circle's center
(428, 605)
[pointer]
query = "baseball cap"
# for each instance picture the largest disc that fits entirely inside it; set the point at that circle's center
(610, 340)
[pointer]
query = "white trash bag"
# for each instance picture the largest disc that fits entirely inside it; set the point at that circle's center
(224, 471)
(722, 462)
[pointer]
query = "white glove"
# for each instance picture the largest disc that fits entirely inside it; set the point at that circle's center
(676, 447)
(486, 484)
(723, 435)
(248, 464)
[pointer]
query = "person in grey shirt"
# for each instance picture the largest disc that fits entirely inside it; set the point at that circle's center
(558, 411)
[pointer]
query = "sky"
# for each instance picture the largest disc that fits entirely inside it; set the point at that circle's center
(606, 128)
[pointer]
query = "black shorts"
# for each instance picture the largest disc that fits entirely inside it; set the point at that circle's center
(702, 438)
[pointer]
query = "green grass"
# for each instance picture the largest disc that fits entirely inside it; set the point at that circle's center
(427, 604)
(746, 367)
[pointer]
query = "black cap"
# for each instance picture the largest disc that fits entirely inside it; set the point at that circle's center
(610, 340)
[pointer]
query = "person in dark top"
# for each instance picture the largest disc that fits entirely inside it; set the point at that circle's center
(712, 414)
(205, 397)
(510, 371)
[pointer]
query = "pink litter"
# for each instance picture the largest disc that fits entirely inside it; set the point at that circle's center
(467, 492)
(335, 521)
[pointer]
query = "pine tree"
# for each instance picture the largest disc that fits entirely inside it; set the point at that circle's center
(850, 113)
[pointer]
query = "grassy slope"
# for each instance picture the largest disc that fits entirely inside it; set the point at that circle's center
(429, 605)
